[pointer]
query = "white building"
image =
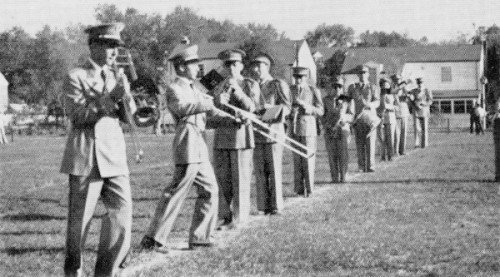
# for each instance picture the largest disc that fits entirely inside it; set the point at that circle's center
(452, 72)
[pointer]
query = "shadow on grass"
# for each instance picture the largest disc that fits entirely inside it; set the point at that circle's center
(32, 217)
(27, 199)
(13, 251)
(24, 233)
(422, 180)
(157, 198)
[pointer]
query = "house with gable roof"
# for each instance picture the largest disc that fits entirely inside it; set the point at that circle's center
(452, 72)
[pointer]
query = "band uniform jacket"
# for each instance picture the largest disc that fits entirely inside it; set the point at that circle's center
(422, 100)
(237, 136)
(334, 114)
(365, 96)
(188, 106)
(304, 119)
(95, 138)
(402, 110)
(274, 92)
(388, 104)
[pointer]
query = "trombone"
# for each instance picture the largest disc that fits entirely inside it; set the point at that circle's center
(280, 138)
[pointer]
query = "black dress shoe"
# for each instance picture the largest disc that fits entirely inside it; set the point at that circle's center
(224, 224)
(150, 244)
(195, 245)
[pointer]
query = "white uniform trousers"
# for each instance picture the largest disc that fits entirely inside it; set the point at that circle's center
(116, 229)
(205, 210)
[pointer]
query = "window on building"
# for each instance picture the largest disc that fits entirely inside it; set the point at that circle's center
(446, 74)
(434, 107)
(468, 106)
(445, 106)
(459, 106)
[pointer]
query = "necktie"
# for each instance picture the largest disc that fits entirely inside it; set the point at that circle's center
(103, 76)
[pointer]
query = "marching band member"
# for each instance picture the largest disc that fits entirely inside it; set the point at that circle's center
(421, 98)
(307, 105)
(388, 103)
(233, 145)
(366, 98)
(402, 113)
(339, 114)
(268, 153)
(192, 164)
(95, 155)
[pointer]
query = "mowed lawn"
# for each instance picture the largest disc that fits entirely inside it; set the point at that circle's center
(434, 212)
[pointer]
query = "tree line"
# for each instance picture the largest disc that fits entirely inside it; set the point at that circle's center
(35, 66)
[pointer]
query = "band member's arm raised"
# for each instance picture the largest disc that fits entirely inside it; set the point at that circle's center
(247, 102)
(182, 105)
(84, 105)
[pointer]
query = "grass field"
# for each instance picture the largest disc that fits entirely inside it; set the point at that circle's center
(433, 212)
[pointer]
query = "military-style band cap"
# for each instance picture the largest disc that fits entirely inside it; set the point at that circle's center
(186, 55)
(362, 68)
(106, 32)
(300, 71)
(419, 80)
(232, 55)
(263, 58)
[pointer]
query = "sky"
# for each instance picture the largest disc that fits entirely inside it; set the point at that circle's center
(436, 19)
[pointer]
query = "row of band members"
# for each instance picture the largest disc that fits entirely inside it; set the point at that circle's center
(95, 156)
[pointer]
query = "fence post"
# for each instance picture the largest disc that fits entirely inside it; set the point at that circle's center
(449, 127)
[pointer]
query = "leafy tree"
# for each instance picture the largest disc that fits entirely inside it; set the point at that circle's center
(330, 36)
(14, 46)
(383, 39)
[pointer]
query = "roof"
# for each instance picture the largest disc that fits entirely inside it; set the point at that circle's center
(327, 52)
(283, 51)
(393, 58)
